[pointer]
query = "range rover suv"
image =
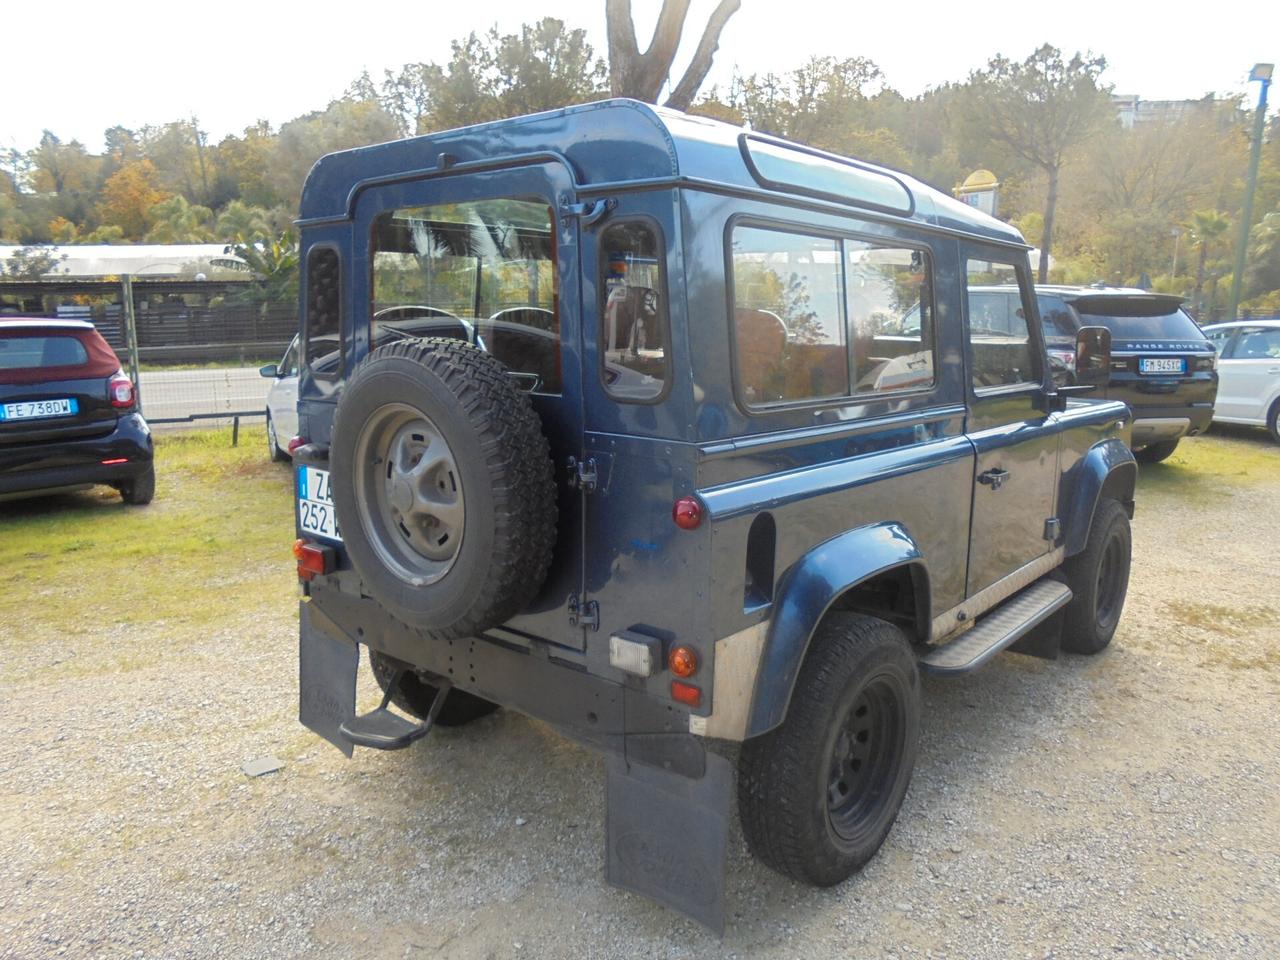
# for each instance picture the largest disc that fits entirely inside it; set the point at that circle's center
(68, 413)
(1162, 365)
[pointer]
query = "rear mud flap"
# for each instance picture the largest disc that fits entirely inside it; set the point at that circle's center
(327, 663)
(667, 835)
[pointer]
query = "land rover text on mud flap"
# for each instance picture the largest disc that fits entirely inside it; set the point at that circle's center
(673, 435)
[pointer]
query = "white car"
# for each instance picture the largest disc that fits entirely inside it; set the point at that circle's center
(1248, 373)
(282, 402)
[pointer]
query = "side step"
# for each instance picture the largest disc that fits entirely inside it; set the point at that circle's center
(383, 730)
(997, 630)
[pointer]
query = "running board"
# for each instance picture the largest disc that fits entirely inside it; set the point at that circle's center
(383, 730)
(998, 630)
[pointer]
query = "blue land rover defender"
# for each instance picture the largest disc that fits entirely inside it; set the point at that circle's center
(675, 437)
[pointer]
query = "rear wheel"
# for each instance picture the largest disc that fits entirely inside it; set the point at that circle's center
(414, 695)
(139, 490)
(1155, 452)
(819, 793)
(1099, 580)
(273, 442)
(1273, 421)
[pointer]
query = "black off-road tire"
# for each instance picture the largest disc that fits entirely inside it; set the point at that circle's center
(1099, 580)
(506, 474)
(787, 778)
(273, 442)
(140, 490)
(414, 696)
(1155, 452)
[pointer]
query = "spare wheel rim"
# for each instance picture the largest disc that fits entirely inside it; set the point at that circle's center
(409, 494)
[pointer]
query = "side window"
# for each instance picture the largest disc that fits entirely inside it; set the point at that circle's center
(1000, 339)
(1258, 345)
(890, 310)
(633, 322)
(1220, 338)
(1055, 318)
(789, 327)
(480, 270)
(323, 344)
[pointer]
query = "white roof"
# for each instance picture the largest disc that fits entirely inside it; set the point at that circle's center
(140, 260)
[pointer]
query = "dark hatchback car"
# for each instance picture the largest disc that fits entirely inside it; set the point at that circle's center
(1162, 365)
(68, 415)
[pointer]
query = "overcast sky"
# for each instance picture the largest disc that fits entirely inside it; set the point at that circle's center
(79, 67)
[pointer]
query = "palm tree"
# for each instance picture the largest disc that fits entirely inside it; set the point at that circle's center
(177, 221)
(1206, 226)
(242, 223)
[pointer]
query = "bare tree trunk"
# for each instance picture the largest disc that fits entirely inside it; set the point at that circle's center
(641, 75)
(1198, 297)
(682, 96)
(1046, 235)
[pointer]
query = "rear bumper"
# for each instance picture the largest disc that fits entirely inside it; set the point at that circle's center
(67, 463)
(1155, 424)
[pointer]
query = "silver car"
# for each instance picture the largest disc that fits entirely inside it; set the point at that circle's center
(1248, 373)
(282, 402)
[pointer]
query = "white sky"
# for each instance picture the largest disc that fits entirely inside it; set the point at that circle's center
(79, 67)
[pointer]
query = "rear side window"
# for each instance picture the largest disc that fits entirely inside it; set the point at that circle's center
(1257, 345)
(819, 318)
(633, 322)
(1056, 318)
(323, 345)
(28, 353)
(1000, 342)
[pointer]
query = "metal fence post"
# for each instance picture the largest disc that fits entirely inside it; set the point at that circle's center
(131, 339)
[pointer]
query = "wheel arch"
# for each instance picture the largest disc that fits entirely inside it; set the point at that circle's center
(1108, 469)
(881, 564)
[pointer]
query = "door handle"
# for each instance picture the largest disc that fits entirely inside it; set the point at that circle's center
(995, 478)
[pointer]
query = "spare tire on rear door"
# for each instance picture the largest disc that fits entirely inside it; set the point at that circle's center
(443, 486)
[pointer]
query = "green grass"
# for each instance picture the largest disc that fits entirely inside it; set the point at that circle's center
(1212, 467)
(212, 546)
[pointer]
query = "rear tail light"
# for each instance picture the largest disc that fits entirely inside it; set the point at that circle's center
(687, 513)
(313, 559)
(1207, 363)
(120, 390)
(295, 443)
(686, 693)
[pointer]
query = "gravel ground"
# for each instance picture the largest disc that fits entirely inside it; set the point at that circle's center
(1124, 805)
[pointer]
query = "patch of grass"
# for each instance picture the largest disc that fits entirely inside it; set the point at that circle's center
(213, 546)
(1222, 618)
(1207, 468)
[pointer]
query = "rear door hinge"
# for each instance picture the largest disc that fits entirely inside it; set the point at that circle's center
(589, 212)
(584, 614)
(1052, 529)
(583, 474)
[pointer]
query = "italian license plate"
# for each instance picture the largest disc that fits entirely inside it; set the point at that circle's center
(1162, 365)
(315, 504)
(34, 409)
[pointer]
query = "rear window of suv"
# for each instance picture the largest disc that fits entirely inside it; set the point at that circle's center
(38, 352)
(1142, 321)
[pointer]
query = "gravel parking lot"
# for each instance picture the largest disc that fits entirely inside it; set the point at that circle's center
(1126, 805)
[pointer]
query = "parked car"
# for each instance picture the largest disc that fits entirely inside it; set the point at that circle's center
(723, 447)
(68, 416)
(1162, 365)
(1248, 372)
(282, 402)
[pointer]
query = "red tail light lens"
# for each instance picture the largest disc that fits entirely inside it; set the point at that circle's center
(295, 443)
(686, 693)
(313, 559)
(687, 513)
(120, 390)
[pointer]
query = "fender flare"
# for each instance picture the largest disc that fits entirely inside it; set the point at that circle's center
(1107, 469)
(808, 589)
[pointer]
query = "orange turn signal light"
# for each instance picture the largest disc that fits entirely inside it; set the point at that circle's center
(686, 693)
(683, 661)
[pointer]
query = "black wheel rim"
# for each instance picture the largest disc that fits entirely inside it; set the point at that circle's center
(1110, 588)
(865, 758)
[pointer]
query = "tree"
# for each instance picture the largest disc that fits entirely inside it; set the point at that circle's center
(182, 159)
(31, 263)
(642, 75)
(241, 223)
(128, 196)
(1206, 227)
(176, 221)
(61, 168)
(304, 140)
(1041, 109)
(242, 164)
(274, 265)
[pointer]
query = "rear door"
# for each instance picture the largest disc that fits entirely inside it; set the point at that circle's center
(1250, 374)
(1015, 439)
(487, 256)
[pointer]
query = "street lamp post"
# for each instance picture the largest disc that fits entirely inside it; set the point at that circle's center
(1262, 73)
